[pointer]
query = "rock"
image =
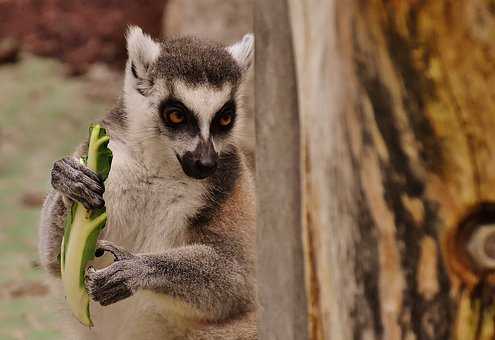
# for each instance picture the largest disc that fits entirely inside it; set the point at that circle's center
(9, 51)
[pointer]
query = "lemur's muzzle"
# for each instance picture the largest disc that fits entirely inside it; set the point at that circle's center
(200, 163)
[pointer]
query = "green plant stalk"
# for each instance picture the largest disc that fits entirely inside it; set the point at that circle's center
(82, 227)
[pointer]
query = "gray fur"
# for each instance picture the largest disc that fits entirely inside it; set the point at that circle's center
(189, 243)
(51, 232)
(194, 61)
(197, 62)
(198, 274)
(53, 213)
(117, 118)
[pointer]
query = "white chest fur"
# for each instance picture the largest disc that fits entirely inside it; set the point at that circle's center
(147, 213)
(147, 209)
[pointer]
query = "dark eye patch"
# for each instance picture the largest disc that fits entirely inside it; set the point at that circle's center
(176, 108)
(227, 111)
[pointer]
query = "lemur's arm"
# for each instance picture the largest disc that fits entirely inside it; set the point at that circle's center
(72, 181)
(51, 231)
(214, 285)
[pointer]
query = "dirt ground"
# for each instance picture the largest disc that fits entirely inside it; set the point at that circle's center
(42, 118)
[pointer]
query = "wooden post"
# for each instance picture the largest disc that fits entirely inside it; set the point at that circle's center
(396, 174)
(281, 292)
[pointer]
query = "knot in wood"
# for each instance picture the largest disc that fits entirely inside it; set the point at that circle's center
(481, 246)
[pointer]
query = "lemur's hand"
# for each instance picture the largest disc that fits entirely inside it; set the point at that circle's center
(117, 281)
(78, 183)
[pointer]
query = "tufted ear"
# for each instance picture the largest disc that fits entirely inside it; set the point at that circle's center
(243, 51)
(143, 51)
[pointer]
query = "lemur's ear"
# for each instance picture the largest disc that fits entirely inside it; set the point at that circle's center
(243, 51)
(142, 51)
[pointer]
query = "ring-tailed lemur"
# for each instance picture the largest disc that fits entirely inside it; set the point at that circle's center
(179, 197)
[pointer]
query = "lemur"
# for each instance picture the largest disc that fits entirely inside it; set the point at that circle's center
(179, 197)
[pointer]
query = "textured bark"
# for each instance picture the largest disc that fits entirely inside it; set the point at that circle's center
(397, 113)
(281, 293)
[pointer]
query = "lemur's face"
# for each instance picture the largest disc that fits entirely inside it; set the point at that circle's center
(182, 101)
(199, 125)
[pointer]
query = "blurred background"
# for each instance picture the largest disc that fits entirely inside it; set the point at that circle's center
(61, 66)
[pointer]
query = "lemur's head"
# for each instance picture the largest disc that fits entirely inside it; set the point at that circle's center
(182, 98)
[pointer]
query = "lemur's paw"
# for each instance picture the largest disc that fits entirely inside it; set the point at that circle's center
(77, 182)
(119, 253)
(113, 283)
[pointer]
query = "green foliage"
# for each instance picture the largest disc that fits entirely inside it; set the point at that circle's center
(82, 228)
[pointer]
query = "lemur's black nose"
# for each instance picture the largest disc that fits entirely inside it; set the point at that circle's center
(200, 163)
(206, 166)
(206, 162)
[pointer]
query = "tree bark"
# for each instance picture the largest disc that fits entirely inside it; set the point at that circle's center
(281, 291)
(396, 104)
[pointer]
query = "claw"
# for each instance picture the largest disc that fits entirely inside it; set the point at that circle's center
(118, 253)
(90, 270)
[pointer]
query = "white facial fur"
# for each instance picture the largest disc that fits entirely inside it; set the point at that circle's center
(143, 116)
(205, 101)
(142, 49)
(243, 51)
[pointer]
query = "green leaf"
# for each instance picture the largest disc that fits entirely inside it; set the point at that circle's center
(82, 228)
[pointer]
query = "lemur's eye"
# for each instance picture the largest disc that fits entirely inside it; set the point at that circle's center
(176, 117)
(174, 114)
(225, 120)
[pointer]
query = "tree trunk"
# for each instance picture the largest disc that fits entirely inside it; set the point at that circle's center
(278, 180)
(396, 103)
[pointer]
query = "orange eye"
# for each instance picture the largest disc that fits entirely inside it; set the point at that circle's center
(225, 120)
(176, 117)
